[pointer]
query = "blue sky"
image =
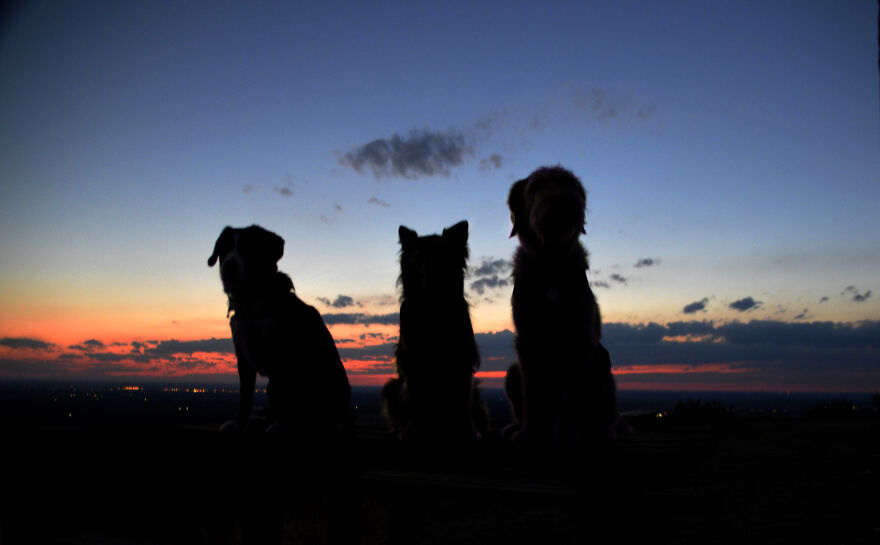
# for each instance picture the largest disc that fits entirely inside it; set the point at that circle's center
(734, 144)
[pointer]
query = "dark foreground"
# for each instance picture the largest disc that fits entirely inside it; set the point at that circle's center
(725, 481)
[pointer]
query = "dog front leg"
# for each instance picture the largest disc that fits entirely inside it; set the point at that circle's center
(247, 377)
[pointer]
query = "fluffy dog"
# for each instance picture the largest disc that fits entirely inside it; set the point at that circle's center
(561, 390)
(434, 398)
(278, 336)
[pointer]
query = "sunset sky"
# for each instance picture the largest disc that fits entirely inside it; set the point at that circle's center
(730, 150)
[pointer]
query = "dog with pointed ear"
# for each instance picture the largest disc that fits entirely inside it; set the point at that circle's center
(561, 388)
(434, 399)
(277, 335)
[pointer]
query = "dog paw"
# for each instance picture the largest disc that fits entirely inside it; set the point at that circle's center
(508, 432)
(278, 428)
(230, 426)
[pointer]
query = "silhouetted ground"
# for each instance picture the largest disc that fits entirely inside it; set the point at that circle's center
(677, 480)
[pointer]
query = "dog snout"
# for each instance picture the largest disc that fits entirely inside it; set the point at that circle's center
(556, 219)
(231, 273)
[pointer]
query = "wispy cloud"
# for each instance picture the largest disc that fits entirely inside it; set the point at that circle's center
(618, 278)
(493, 162)
(744, 305)
(420, 153)
(604, 105)
(341, 301)
(378, 202)
(696, 306)
(646, 262)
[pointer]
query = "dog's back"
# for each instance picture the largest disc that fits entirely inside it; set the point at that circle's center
(436, 355)
(310, 382)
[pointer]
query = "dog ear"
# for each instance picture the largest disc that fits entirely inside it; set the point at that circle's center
(517, 203)
(269, 245)
(457, 234)
(274, 245)
(224, 241)
(407, 236)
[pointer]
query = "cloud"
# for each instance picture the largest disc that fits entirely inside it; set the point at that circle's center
(646, 262)
(745, 304)
(618, 278)
(494, 281)
(341, 301)
(489, 266)
(377, 202)
(283, 191)
(496, 350)
(783, 352)
(602, 105)
(385, 300)
(173, 346)
(361, 318)
(824, 299)
(856, 296)
(696, 306)
(91, 344)
(419, 153)
(600, 284)
(810, 334)
(801, 316)
(861, 298)
(494, 161)
(491, 274)
(17, 343)
(374, 352)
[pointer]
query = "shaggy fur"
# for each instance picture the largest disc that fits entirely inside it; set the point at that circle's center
(279, 336)
(561, 390)
(434, 398)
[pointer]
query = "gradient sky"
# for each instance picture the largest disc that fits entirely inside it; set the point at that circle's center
(730, 150)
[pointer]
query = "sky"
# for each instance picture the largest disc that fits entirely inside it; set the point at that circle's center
(729, 151)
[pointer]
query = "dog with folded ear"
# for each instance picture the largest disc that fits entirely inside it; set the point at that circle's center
(434, 399)
(561, 388)
(280, 337)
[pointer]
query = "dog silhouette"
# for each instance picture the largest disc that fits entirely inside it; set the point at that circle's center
(279, 336)
(561, 388)
(434, 398)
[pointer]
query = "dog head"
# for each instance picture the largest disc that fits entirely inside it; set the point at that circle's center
(548, 209)
(248, 258)
(433, 265)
